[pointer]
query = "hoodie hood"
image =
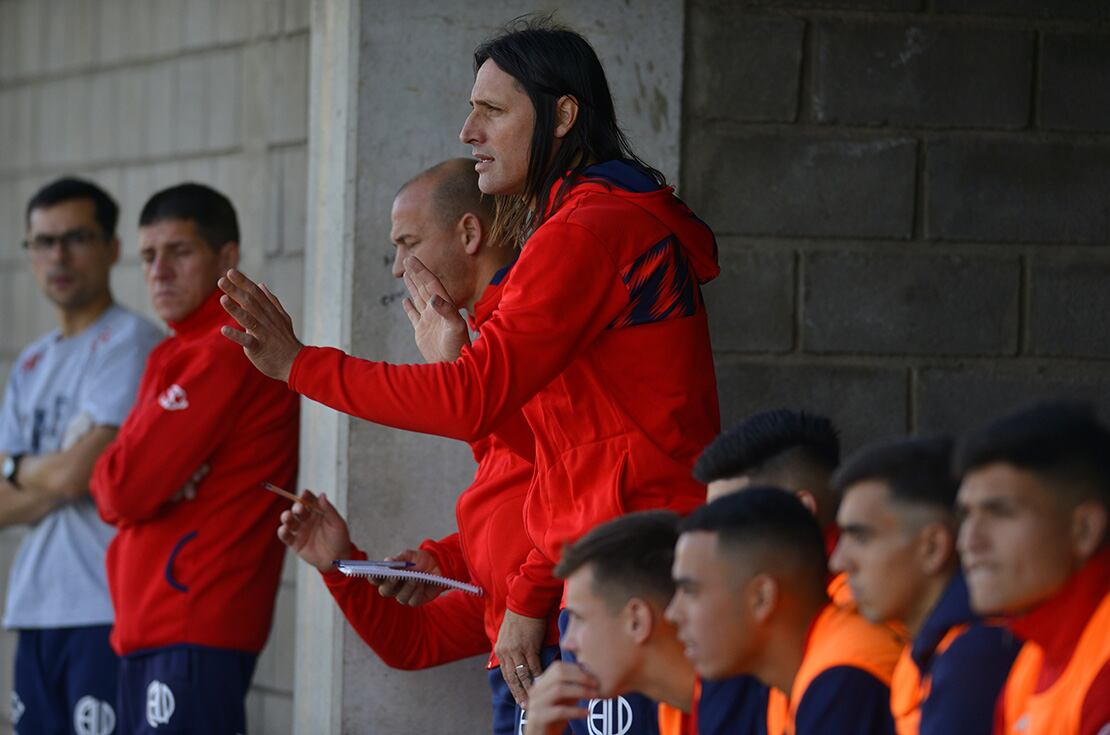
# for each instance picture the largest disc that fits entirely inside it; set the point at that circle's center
(630, 182)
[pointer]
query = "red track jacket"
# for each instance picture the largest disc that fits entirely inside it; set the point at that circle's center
(601, 338)
(201, 571)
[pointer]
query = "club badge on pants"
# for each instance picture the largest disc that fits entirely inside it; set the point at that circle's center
(159, 703)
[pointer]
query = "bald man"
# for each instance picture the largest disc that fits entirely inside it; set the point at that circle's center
(441, 221)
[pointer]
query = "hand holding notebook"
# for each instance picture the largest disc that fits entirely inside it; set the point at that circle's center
(313, 528)
(410, 590)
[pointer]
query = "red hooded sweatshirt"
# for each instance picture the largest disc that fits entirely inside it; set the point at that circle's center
(200, 571)
(601, 338)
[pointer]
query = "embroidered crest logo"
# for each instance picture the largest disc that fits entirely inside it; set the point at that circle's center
(609, 716)
(174, 398)
(30, 363)
(159, 704)
(92, 716)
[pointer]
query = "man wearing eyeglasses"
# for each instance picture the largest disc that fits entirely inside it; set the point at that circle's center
(67, 393)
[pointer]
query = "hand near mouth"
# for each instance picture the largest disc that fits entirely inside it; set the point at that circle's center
(439, 329)
(555, 696)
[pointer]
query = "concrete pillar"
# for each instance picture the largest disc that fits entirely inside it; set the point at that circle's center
(390, 84)
(318, 674)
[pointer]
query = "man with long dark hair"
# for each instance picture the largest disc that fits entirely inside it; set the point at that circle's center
(600, 336)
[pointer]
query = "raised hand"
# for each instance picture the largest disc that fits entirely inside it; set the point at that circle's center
(439, 329)
(518, 649)
(269, 340)
(412, 592)
(318, 539)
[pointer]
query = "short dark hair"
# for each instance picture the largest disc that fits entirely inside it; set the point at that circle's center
(766, 516)
(917, 470)
(1061, 441)
(69, 188)
(549, 61)
(208, 209)
(631, 556)
(766, 437)
(455, 192)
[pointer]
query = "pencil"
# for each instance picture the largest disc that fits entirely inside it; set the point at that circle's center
(286, 494)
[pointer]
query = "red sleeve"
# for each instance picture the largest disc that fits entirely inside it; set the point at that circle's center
(157, 450)
(535, 592)
(446, 629)
(563, 292)
(449, 557)
(1095, 714)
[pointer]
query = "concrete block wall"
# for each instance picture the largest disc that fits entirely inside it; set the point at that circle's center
(139, 95)
(912, 199)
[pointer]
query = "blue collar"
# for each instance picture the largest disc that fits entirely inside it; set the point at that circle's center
(622, 174)
(952, 609)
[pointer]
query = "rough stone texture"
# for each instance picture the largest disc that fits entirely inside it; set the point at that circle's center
(962, 398)
(1068, 305)
(839, 4)
(922, 75)
(1075, 82)
(742, 68)
(1008, 191)
(797, 184)
(917, 122)
(751, 304)
(910, 304)
(138, 95)
(1046, 9)
(866, 403)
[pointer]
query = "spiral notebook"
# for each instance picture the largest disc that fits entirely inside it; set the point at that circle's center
(379, 570)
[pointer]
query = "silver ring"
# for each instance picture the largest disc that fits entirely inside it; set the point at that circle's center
(521, 666)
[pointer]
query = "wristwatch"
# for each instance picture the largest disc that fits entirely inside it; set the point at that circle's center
(11, 467)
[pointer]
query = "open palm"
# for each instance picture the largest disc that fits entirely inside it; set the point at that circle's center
(439, 329)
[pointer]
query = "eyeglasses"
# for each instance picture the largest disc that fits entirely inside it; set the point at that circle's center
(71, 241)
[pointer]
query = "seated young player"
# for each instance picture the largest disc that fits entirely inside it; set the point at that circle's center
(1034, 495)
(618, 583)
(898, 548)
(793, 450)
(798, 452)
(750, 598)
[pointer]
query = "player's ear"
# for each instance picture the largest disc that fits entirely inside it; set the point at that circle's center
(762, 597)
(639, 620)
(807, 499)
